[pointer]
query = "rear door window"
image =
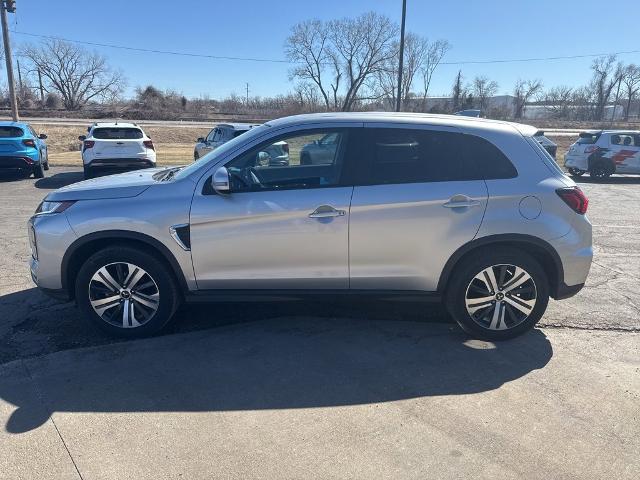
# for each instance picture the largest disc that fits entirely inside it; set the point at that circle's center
(417, 156)
(117, 133)
(11, 132)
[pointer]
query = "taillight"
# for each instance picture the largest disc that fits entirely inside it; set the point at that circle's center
(575, 198)
(285, 148)
(591, 149)
(149, 144)
(29, 142)
(87, 144)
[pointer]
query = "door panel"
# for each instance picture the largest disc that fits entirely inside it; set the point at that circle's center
(401, 236)
(282, 227)
(419, 197)
(267, 240)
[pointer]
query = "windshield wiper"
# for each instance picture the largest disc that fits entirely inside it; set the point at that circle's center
(168, 173)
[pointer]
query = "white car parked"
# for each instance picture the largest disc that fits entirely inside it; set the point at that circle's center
(116, 147)
(603, 153)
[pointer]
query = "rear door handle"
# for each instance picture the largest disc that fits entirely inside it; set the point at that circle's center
(327, 211)
(461, 201)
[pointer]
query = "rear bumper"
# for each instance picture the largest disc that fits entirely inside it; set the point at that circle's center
(17, 162)
(120, 164)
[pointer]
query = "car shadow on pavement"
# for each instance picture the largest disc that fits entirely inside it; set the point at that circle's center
(59, 180)
(293, 358)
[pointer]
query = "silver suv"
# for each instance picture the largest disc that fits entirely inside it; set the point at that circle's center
(473, 212)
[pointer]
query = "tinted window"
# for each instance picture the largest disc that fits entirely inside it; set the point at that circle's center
(237, 133)
(489, 159)
(10, 132)
(414, 156)
(289, 162)
(115, 133)
(588, 138)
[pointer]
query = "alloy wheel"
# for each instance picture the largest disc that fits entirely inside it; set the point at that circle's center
(501, 297)
(124, 295)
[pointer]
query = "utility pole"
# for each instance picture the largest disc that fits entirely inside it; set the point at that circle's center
(41, 88)
(20, 86)
(247, 97)
(9, 6)
(400, 63)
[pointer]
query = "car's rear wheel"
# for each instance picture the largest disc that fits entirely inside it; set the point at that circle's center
(38, 170)
(600, 171)
(126, 292)
(498, 295)
(576, 172)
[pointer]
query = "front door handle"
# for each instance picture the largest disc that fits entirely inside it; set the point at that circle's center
(461, 201)
(326, 211)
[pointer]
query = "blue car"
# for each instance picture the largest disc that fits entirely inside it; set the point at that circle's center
(22, 149)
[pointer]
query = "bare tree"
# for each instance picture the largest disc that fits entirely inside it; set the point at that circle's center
(308, 46)
(631, 82)
(483, 88)
(435, 53)
(77, 75)
(557, 101)
(360, 48)
(457, 92)
(523, 92)
(606, 76)
(415, 50)
(342, 55)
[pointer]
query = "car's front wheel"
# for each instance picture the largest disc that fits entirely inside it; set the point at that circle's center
(126, 292)
(498, 295)
(38, 170)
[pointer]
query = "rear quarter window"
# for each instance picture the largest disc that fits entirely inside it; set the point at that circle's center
(489, 159)
(587, 139)
(11, 132)
(117, 133)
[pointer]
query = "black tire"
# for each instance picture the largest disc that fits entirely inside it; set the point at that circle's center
(464, 274)
(600, 171)
(576, 172)
(88, 173)
(168, 296)
(305, 159)
(196, 156)
(38, 170)
(46, 163)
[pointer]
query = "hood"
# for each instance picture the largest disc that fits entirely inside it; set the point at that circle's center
(124, 185)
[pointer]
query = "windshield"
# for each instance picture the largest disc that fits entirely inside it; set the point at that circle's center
(221, 151)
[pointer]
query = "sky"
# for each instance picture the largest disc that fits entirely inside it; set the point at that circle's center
(477, 31)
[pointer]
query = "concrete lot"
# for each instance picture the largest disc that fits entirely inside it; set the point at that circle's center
(306, 389)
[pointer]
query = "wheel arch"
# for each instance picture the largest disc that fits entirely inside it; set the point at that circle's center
(81, 249)
(539, 249)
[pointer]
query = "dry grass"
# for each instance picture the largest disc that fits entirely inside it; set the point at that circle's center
(174, 145)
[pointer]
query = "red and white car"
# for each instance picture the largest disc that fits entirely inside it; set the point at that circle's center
(603, 153)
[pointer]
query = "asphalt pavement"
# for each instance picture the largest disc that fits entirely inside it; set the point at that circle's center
(324, 389)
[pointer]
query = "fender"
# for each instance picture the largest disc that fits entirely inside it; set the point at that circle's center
(512, 239)
(121, 235)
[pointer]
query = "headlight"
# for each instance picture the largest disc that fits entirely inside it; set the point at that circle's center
(32, 241)
(46, 207)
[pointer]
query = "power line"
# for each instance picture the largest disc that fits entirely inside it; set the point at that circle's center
(280, 60)
(149, 50)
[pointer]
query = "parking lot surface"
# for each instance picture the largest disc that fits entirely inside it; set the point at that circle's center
(310, 389)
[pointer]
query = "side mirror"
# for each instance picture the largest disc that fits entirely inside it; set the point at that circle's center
(82, 138)
(42, 136)
(220, 180)
(200, 140)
